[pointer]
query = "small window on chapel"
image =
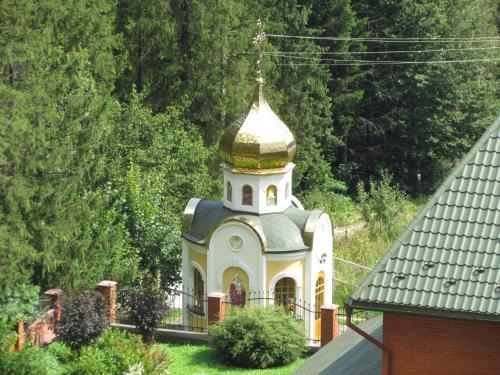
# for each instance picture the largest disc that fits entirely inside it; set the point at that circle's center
(271, 194)
(287, 190)
(247, 195)
(229, 192)
(198, 290)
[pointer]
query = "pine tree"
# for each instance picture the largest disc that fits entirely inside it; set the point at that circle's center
(420, 118)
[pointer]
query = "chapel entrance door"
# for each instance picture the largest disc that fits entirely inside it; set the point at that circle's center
(319, 300)
(284, 294)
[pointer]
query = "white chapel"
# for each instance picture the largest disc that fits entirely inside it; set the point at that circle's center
(258, 239)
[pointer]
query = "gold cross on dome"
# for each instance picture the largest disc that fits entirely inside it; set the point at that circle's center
(257, 42)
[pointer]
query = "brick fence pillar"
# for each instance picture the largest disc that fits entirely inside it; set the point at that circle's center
(55, 296)
(216, 307)
(329, 323)
(21, 336)
(108, 290)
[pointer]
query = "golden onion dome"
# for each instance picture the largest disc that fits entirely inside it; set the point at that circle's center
(259, 140)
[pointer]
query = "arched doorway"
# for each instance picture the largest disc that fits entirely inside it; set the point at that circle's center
(284, 294)
(319, 300)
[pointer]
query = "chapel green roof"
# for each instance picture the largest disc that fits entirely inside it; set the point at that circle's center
(282, 232)
(447, 262)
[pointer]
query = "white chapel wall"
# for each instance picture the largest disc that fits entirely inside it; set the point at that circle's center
(225, 250)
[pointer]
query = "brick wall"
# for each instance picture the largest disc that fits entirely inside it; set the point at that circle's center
(42, 331)
(438, 346)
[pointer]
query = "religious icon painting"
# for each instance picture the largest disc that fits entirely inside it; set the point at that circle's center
(237, 293)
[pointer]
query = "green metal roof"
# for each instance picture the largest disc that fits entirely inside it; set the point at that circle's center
(348, 354)
(447, 262)
(283, 231)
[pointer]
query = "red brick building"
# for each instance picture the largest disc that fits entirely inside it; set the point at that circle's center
(438, 286)
(440, 346)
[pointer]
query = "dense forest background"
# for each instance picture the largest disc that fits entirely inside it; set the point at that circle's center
(110, 113)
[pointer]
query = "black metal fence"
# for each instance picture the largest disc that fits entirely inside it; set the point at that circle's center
(188, 311)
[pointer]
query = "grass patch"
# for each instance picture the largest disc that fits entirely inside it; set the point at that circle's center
(367, 249)
(202, 360)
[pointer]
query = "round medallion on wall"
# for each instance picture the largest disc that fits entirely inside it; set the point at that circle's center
(235, 242)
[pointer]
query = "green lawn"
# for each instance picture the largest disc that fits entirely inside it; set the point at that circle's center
(201, 360)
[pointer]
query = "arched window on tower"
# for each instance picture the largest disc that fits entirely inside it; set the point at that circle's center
(229, 192)
(247, 195)
(271, 195)
(287, 191)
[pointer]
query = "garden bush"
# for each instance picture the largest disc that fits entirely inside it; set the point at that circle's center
(61, 352)
(258, 337)
(340, 207)
(146, 304)
(117, 352)
(383, 207)
(84, 317)
(30, 361)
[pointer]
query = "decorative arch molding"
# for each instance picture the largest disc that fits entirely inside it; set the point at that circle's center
(187, 217)
(254, 227)
(296, 276)
(310, 226)
(239, 264)
(293, 275)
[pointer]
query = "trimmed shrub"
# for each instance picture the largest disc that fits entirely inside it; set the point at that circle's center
(61, 352)
(31, 361)
(84, 317)
(117, 352)
(91, 361)
(258, 337)
(146, 305)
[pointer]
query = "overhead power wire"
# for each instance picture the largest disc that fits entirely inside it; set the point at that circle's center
(280, 53)
(391, 40)
(379, 62)
(374, 61)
